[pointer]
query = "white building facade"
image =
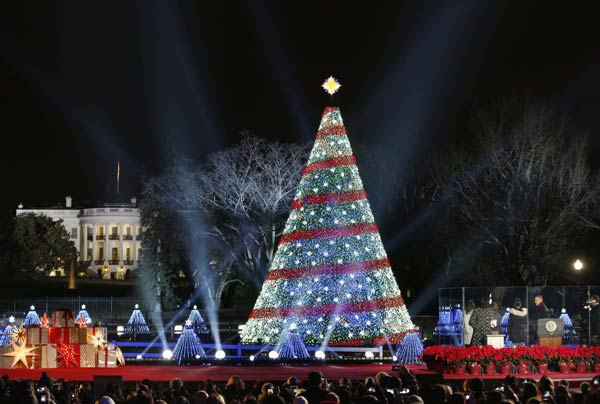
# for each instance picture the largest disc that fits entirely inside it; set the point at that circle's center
(107, 238)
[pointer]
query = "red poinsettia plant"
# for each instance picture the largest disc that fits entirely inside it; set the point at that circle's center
(449, 355)
(541, 354)
(534, 354)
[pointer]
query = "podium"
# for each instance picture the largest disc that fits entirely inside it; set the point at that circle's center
(496, 340)
(550, 331)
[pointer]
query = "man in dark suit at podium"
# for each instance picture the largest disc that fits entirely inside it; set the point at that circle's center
(539, 310)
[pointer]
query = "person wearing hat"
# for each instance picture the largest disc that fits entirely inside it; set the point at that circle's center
(517, 323)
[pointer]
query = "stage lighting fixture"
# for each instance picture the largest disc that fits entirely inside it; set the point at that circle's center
(320, 355)
(197, 356)
(273, 354)
(251, 358)
(138, 357)
(167, 354)
(395, 358)
(220, 354)
(369, 355)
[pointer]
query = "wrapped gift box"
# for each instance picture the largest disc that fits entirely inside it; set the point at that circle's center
(65, 362)
(87, 355)
(48, 356)
(98, 331)
(5, 361)
(107, 358)
(68, 335)
(63, 318)
(38, 336)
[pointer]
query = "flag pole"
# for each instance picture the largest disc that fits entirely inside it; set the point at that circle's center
(118, 175)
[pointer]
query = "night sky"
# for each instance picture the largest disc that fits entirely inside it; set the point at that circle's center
(84, 86)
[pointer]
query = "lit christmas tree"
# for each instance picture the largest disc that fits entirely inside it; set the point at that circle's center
(197, 321)
(410, 348)
(83, 317)
(188, 345)
(330, 277)
(6, 335)
(570, 335)
(31, 319)
(137, 323)
(292, 346)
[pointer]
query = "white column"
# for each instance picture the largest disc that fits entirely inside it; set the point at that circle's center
(94, 244)
(134, 244)
(121, 244)
(106, 243)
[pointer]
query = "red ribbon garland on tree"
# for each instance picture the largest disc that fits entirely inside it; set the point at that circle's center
(330, 163)
(351, 230)
(328, 309)
(330, 269)
(335, 197)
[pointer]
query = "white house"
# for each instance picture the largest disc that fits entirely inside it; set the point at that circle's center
(107, 238)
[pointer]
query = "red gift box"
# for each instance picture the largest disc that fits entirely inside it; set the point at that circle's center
(68, 355)
(63, 318)
(68, 335)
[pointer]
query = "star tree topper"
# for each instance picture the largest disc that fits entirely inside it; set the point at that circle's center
(331, 85)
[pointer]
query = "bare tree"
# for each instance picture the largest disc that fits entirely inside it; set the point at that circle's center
(231, 209)
(523, 201)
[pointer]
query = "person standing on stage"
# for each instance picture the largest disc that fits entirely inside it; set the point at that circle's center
(484, 320)
(467, 328)
(595, 320)
(517, 323)
(539, 310)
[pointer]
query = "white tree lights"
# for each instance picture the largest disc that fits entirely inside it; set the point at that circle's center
(330, 276)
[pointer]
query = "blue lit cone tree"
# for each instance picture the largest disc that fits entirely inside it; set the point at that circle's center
(31, 319)
(137, 323)
(83, 317)
(188, 345)
(197, 321)
(330, 278)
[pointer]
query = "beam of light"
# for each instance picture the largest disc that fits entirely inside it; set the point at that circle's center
(282, 66)
(184, 101)
(95, 124)
(424, 86)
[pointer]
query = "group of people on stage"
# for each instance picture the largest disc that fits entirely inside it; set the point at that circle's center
(485, 319)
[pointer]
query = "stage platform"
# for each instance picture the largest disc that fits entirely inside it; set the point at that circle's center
(275, 373)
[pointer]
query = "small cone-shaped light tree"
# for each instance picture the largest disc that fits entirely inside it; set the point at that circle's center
(83, 317)
(330, 277)
(137, 323)
(31, 319)
(197, 321)
(7, 332)
(188, 345)
(410, 348)
(292, 346)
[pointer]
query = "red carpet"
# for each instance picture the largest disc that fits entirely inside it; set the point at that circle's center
(250, 373)
(216, 373)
